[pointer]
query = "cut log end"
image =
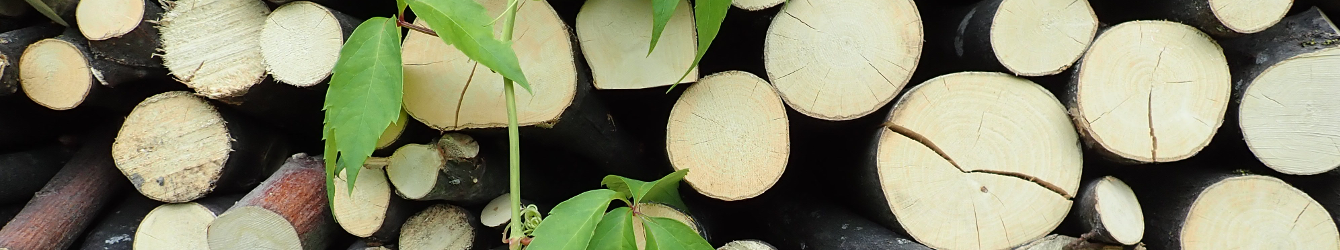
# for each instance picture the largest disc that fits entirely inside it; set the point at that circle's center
(1151, 91)
(1277, 114)
(1256, 212)
(756, 5)
(747, 245)
(735, 105)
(830, 62)
(663, 211)
(300, 43)
(498, 212)
(955, 129)
(150, 147)
(213, 46)
(446, 90)
(250, 227)
(103, 19)
(55, 74)
(1118, 211)
(1249, 16)
(1020, 28)
(414, 170)
(440, 226)
(615, 39)
(175, 226)
(363, 212)
(393, 132)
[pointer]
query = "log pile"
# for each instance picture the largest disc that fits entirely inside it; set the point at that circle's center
(809, 124)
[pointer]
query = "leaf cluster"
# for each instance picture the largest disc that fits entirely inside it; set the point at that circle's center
(707, 14)
(582, 223)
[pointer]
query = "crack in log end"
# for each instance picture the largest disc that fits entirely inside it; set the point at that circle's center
(928, 144)
(1149, 110)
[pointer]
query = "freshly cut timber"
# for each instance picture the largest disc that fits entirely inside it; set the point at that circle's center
(116, 228)
(755, 5)
(450, 169)
(59, 212)
(370, 211)
(122, 31)
(615, 37)
(12, 44)
(730, 130)
(23, 173)
(447, 91)
(662, 211)
(181, 225)
(746, 244)
(445, 227)
(810, 224)
(226, 152)
(301, 41)
(1026, 37)
(287, 211)
(950, 159)
(829, 61)
(61, 73)
(1150, 91)
(1220, 18)
(1108, 211)
(213, 46)
(1282, 77)
(1195, 208)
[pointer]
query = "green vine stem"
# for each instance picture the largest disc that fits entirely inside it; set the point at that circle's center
(513, 138)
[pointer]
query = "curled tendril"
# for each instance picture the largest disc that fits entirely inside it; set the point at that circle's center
(530, 217)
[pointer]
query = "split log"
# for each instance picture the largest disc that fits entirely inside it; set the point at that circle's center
(1123, 84)
(23, 173)
(810, 224)
(213, 46)
(181, 225)
(615, 38)
(949, 160)
(1281, 77)
(563, 112)
(662, 211)
(1219, 18)
(1196, 208)
(755, 5)
(301, 41)
(61, 73)
(1108, 212)
(444, 227)
(748, 112)
(62, 11)
(227, 153)
(122, 31)
(747, 244)
(370, 211)
(1028, 38)
(12, 45)
(116, 229)
(58, 213)
(287, 211)
(451, 169)
(814, 54)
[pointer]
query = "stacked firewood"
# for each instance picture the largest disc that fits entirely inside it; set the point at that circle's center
(809, 124)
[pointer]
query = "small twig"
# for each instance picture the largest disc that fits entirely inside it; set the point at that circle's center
(376, 163)
(400, 20)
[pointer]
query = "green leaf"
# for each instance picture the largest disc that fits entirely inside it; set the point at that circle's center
(708, 14)
(661, 11)
(664, 191)
(615, 231)
(571, 224)
(364, 94)
(466, 25)
(670, 234)
(47, 11)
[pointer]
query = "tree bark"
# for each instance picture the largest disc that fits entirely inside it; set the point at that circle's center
(294, 194)
(460, 171)
(81, 79)
(134, 48)
(966, 36)
(805, 223)
(1107, 211)
(116, 229)
(58, 213)
(12, 45)
(1197, 13)
(23, 173)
